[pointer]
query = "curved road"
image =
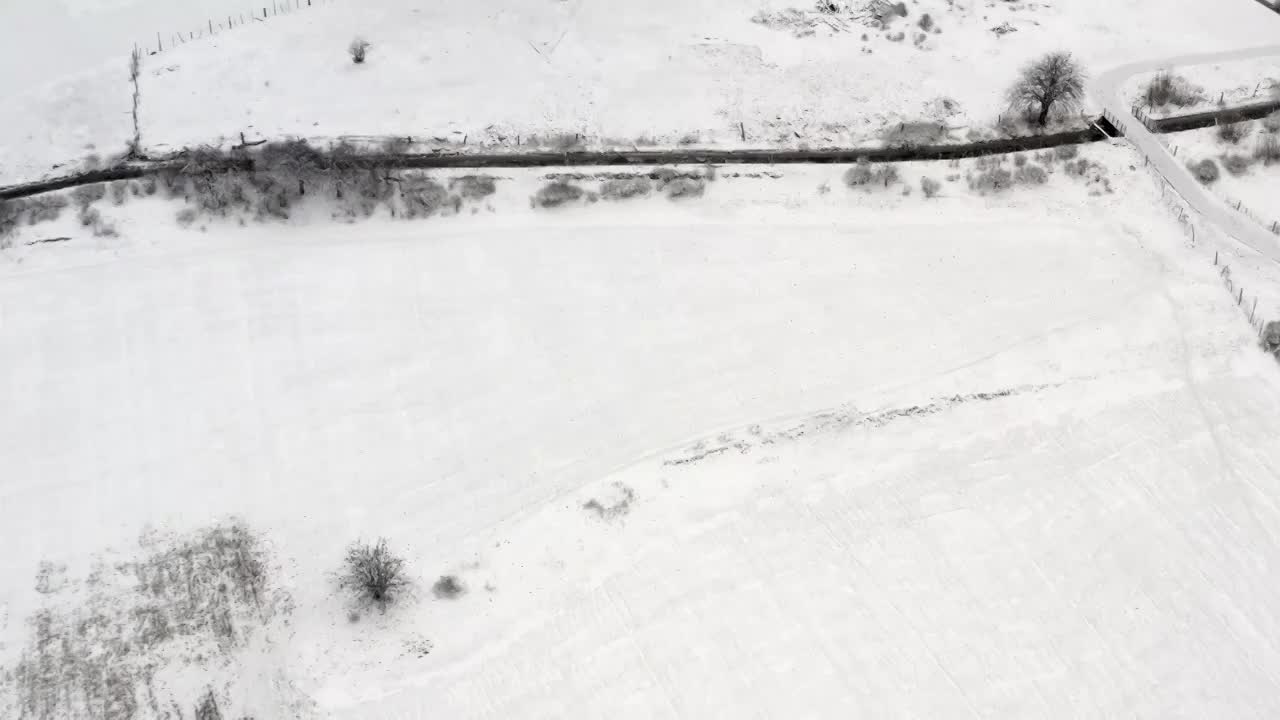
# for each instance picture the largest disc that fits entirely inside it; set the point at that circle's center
(1107, 88)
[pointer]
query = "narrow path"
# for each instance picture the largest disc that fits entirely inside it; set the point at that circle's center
(1215, 211)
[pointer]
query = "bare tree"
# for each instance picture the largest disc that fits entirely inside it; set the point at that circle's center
(135, 69)
(1055, 80)
(373, 573)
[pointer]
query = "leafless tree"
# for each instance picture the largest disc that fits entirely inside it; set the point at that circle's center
(1055, 80)
(135, 69)
(373, 573)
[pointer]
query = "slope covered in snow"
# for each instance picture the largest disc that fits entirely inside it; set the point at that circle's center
(787, 450)
(706, 72)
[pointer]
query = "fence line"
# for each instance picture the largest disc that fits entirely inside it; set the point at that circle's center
(212, 26)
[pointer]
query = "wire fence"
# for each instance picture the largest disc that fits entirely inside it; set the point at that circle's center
(165, 41)
(1197, 230)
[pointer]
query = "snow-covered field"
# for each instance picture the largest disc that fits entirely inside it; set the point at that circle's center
(662, 72)
(851, 454)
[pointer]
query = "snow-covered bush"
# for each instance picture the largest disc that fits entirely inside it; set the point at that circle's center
(557, 193)
(930, 187)
(1168, 89)
(1232, 132)
(992, 180)
(1031, 175)
(359, 50)
(373, 574)
(1206, 171)
(448, 587)
(626, 188)
(1236, 164)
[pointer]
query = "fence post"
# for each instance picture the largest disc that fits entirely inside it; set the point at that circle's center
(159, 45)
(1254, 310)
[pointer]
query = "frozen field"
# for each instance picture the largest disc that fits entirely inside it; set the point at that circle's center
(851, 453)
(665, 73)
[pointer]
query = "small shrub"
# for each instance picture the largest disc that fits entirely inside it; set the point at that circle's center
(89, 216)
(11, 212)
(1019, 160)
(147, 186)
(424, 197)
(1206, 171)
(1232, 132)
(930, 187)
(359, 50)
(1267, 149)
(626, 188)
(473, 187)
(1236, 164)
(373, 574)
(926, 22)
(1271, 123)
(886, 175)
(1168, 89)
(1066, 152)
(1031, 175)
(685, 187)
(994, 180)
(45, 208)
(119, 192)
(187, 217)
(86, 195)
(557, 193)
(448, 587)
(860, 175)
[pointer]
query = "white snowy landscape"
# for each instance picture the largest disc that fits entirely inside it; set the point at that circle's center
(994, 436)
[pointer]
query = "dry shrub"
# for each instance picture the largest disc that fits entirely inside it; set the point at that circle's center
(1066, 152)
(473, 187)
(1271, 123)
(626, 188)
(86, 195)
(448, 587)
(1232, 132)
(684, 187)
(930, 187)
(1168, 89)
(992, 180)
(422, 196)
(1031, 175)
(557, 193)
(373, 574)
(1236, 164)
(1206, 171)
(1267, 149)
(358, 50)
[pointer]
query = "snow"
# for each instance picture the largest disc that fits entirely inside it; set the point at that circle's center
(660, 73)
(889, 456)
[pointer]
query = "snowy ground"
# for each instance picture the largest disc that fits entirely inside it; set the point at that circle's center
(664, 73)
(850, 452)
